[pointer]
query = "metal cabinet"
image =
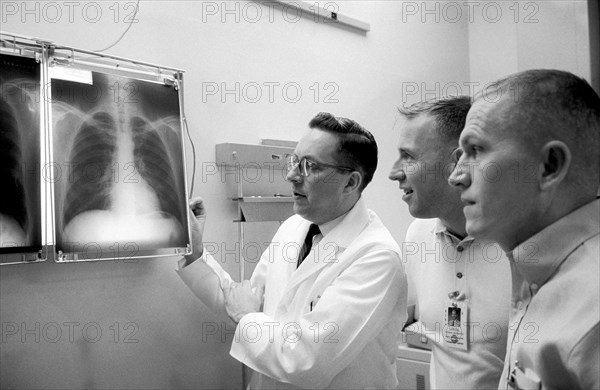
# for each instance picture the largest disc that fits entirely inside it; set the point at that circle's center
(255, 176)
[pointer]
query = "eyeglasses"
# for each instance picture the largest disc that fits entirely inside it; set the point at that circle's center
(306, 166)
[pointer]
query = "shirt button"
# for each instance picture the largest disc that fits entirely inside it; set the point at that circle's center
(459, 275)
(460, 248)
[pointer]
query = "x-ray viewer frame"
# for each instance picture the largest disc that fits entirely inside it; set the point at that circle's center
(162, 137)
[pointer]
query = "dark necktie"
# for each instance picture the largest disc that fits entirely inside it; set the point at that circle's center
(313, 230)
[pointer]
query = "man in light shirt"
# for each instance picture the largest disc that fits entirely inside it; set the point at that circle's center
(459, 287)
(528, 178)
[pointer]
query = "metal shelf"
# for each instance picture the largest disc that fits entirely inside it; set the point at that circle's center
(262, 208)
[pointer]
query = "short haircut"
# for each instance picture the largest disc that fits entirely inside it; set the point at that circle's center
(357, 147)
(449, 113)
(547, 104)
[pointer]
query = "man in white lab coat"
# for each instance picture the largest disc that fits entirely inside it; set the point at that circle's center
(333, 319)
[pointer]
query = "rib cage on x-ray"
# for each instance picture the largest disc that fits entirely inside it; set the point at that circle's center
(154, 165)
(120, 164)
(11, 162)
(96, 146)
(20, 208)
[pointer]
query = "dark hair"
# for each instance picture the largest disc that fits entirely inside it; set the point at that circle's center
(450, 114)
(357, 147)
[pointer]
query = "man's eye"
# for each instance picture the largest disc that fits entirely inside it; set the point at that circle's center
(313, 165)
(472, 150)
(310, 164)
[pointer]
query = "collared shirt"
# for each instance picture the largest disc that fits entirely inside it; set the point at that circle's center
(326, 228)
(555, 309)
(329, 226)
(439, 263)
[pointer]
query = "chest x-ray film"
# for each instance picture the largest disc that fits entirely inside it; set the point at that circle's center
(20, 204)
(119, 185)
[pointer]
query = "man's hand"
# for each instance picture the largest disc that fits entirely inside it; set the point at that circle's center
(241, 300)
(197, 214)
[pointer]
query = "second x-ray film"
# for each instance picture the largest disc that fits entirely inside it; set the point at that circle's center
(20, 101)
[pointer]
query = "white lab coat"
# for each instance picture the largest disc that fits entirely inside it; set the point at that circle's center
(334, 322)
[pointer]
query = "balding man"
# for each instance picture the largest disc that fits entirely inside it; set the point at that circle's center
(529, 177)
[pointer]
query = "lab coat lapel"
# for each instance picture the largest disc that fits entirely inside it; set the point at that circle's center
(296, 240)
(329, 250)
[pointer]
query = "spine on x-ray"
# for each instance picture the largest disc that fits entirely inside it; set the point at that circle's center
(92, 158)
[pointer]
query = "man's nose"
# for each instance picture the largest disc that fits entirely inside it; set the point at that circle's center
(294, 175)
(397, 173)
(460, 175)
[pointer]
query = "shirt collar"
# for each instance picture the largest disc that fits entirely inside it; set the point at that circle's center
(440, 228)
(538, 257)
(344, 229)
(329, 226)
(359, 207)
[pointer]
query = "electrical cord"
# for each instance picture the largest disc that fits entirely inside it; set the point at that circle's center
(187, 130)
(137, 7)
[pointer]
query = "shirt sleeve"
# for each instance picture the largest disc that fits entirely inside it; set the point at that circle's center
(317, 345)
(205, 278)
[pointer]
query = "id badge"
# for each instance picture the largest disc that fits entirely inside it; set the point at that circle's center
(455, 325)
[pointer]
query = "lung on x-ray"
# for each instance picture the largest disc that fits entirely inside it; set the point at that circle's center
(119, 180)
(20, 205)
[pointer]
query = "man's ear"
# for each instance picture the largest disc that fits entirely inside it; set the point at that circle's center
(353, 182)
(555, 164)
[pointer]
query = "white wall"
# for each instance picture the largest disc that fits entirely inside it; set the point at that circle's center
(408, 55)
(365, 72)
(526, 35)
